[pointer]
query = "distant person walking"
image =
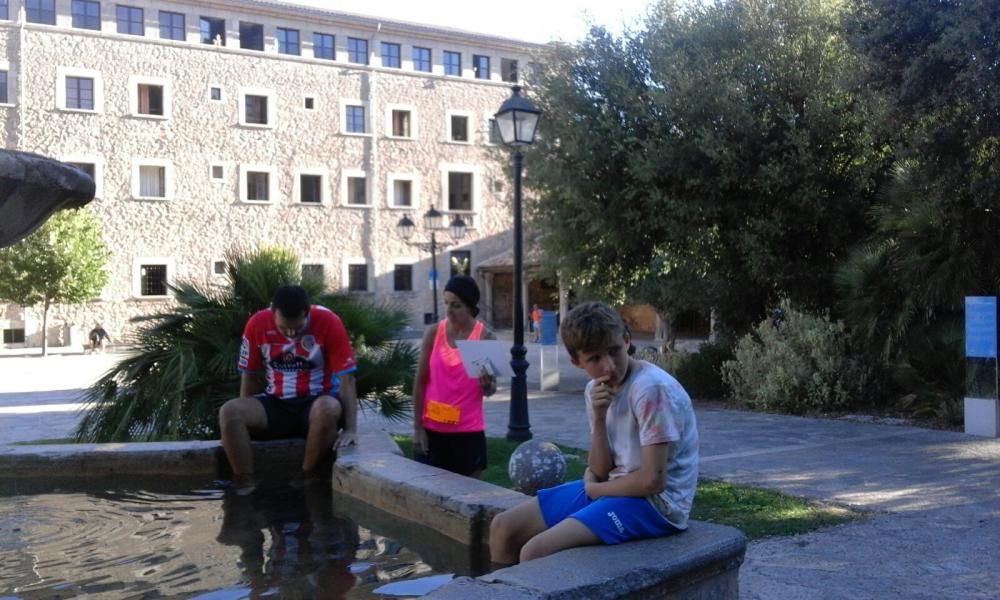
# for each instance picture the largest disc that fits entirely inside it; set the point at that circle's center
(536, 321)
(98, 336)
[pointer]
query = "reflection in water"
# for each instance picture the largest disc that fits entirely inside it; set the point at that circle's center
(279, 542)
(291, 543)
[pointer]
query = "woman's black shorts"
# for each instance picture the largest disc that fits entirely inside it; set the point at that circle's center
(463, 453)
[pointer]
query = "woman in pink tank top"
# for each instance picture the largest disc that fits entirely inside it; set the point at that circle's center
(448, 423)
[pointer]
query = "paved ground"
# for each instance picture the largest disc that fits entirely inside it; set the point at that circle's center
(935, 495)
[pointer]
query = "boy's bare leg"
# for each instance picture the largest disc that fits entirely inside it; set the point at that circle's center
(511, 529)
(323, 418)
(568, 533)
(236, 418)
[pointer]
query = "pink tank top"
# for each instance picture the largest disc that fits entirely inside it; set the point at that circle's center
(453, 401)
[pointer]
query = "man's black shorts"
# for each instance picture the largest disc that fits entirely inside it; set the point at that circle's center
(462, 453)
(287, 417)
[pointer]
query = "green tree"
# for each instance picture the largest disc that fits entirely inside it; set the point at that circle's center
(63, 261)
(935, 67)
(184, 366)
(715, 158)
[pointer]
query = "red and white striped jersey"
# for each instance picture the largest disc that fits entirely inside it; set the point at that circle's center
(308, 364)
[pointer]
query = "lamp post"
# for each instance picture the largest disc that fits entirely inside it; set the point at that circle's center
(432, 223)
(516, 122)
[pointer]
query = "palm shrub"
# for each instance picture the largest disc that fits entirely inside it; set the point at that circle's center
(184, 364)
(928, 381)
(903, 294)
(801, 365)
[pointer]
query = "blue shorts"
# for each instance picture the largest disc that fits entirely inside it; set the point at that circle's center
(613, 519)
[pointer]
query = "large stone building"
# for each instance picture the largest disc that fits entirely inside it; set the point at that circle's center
(224, 124)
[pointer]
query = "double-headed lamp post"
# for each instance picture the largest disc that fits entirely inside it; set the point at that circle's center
(516, 122)
(433, 219)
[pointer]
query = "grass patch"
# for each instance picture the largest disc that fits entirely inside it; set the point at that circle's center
(763, 513)
(47, 442)
(757, 512)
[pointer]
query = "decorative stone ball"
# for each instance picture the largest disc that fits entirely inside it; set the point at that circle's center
(536, 465)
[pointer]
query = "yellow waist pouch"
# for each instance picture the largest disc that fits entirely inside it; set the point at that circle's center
(443, 413)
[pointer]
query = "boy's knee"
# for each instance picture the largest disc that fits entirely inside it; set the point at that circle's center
(534, 548)
(498, 527)
(503, 549)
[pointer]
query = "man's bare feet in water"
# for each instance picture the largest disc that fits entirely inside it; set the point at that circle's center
(243, 484)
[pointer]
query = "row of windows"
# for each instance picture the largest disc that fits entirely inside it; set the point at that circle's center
(154, 180)
(130, 20)
(153, 277)
(81, 90)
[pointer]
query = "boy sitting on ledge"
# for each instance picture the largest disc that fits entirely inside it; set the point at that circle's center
(642, 468)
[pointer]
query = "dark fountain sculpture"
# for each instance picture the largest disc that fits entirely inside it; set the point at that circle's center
(32, 188)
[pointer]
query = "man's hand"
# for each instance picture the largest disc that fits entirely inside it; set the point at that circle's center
(601, 397)
(346, 438)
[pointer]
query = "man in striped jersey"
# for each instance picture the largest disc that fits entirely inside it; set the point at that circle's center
(301, 355)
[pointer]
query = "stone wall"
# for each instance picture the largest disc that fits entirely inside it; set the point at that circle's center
(202, 219)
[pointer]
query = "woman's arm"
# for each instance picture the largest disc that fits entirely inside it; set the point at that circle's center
(488, 381)
(419, 383)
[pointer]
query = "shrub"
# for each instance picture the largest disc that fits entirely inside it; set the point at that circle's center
(700, 372)
(801, 365)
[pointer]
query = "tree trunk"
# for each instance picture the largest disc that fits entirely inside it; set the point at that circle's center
(665, 334)
(45, 327)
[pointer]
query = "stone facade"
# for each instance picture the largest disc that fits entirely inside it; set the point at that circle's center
(205, 159)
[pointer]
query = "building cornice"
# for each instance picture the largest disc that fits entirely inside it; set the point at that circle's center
(375, 24)
(241, 52)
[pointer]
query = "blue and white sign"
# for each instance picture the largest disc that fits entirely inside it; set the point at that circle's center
(432, 276)
(981, 326)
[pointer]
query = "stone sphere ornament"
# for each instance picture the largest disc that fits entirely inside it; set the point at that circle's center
(536, 465)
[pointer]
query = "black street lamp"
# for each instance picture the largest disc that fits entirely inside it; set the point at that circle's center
(432, 223)
(516, 122)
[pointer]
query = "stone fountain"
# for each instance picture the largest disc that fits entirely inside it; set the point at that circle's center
(32, 188)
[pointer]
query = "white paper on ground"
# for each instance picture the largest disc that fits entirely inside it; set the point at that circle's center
(414, 587)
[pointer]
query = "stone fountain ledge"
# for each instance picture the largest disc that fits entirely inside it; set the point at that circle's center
(702, 562)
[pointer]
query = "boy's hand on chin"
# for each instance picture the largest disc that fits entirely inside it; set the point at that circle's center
(601, 395)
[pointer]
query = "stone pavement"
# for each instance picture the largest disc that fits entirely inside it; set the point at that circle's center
(935, 526)
(40, 396)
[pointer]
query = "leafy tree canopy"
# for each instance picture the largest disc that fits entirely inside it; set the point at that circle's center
(713, 159)
(935, 67)
(63, 261)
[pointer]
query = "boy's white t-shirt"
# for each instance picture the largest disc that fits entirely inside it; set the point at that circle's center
(652, 408)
